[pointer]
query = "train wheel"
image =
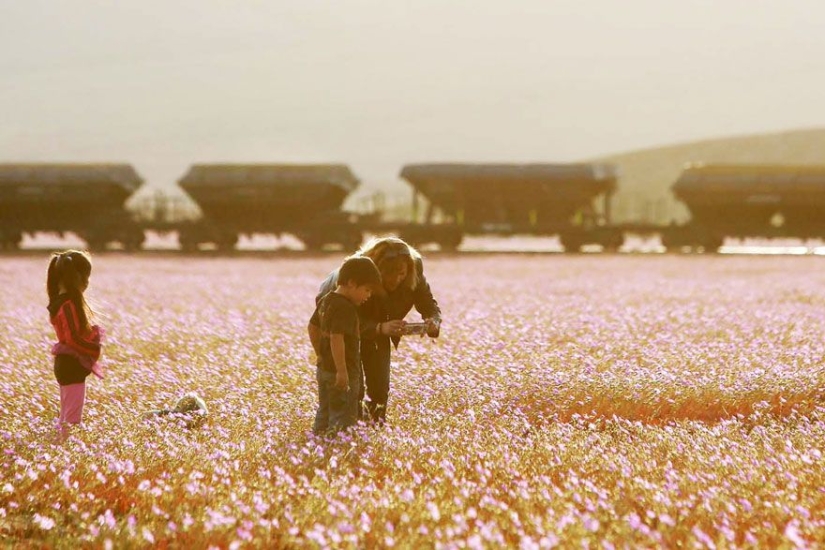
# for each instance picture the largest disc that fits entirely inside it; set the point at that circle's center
(312, 243)
(187, 243)
(187, 239)
(411, 238)
(188, 246)
(352, 241)
(671, 246)
(95, 242)
(133, 241)
(227, 242)
(571, 243)
(451, 243)
(11, 241)
(613, 243)
(412, 241)
(712, 243)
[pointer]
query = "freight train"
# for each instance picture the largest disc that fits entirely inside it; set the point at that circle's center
(449, 201)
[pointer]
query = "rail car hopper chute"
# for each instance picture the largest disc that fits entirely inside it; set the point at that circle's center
(539, 199)
(87, 199)
(237, 199)
(727, 200)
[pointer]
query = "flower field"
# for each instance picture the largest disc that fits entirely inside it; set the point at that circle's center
(591, 401)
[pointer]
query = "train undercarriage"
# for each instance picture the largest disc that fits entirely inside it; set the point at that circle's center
(194, 236)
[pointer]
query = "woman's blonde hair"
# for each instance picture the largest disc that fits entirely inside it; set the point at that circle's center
(386, 252)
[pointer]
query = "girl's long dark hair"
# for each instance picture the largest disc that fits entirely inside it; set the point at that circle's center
(71, 269)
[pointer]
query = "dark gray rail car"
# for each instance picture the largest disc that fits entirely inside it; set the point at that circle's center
(537, 199)
(749, 200)
(87, 199)
(243, 199)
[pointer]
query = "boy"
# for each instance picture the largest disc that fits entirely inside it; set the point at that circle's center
(335, 335)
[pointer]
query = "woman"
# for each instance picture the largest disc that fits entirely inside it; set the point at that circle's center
(382, 316)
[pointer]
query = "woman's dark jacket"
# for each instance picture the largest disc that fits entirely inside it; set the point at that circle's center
(389, 306)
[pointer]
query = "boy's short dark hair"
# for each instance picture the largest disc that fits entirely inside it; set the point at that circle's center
(360, 269)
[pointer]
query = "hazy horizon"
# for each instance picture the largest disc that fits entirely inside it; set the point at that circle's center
(377, 85)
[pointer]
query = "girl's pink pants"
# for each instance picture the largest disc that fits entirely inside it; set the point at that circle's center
(71, 406)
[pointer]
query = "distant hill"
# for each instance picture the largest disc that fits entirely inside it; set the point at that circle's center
(648, 174)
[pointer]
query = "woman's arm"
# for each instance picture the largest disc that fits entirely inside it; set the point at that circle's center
(327, 286)
(423, 299)
(426, 305)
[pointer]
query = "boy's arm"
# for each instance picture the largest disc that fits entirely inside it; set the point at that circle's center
(314, 331)
(338, 348)
(315, 337)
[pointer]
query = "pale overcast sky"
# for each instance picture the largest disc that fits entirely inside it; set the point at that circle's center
(377, 83)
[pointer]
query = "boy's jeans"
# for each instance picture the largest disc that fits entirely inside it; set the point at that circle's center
(337, 409)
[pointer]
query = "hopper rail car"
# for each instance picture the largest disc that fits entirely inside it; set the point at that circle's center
(449, 201)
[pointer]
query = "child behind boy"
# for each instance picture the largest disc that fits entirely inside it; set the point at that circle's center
(335, 335)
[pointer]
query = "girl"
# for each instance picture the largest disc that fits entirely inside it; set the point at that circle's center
(78, 341)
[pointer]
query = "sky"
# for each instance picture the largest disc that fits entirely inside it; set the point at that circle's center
(376, 84)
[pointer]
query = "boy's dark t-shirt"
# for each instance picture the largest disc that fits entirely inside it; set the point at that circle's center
(336, 314)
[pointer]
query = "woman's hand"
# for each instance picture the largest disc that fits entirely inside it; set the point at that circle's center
(433, 327)
(393, 328)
